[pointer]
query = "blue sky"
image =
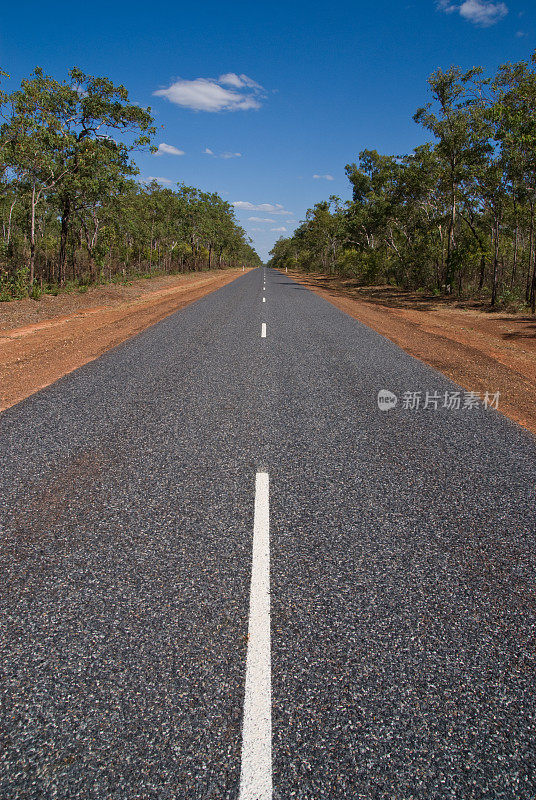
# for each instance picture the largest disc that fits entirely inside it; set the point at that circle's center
(320, 82)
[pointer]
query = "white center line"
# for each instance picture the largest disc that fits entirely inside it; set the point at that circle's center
(264, 299)
(263, 331)
(256, 768)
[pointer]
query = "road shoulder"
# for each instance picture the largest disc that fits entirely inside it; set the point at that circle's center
(479, 351)
(40, 341)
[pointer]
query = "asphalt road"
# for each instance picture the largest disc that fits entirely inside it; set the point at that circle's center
(402, 569)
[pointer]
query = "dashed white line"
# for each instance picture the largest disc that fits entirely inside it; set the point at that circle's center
(263, 330)
(264, 299)
(256, 767)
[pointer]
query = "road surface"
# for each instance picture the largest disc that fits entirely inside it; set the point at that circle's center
(226, 573)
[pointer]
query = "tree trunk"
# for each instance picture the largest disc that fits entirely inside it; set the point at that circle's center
(531, 253)
(443, 275)
(532, 263)
(8, 238)
(65, 222)
(495, 263)
(451, 237)
(482, 272)
(516, 246)
(437, 275)
(32, 237)
(533, 291)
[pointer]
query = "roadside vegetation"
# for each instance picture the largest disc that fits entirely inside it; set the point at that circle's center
(457, 215)
(71, 210)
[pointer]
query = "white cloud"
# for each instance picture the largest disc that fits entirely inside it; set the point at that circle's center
(483, 13)
(279, 230)
(231, 79)
(268, 208)
(323, 177)
(259, 219)
(239, 81)
(226, 155)
(168, 150)
(159, 180)
(209, 94)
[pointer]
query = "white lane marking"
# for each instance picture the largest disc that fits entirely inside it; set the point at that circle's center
(263, 331)
(256, 767)
(264, 299)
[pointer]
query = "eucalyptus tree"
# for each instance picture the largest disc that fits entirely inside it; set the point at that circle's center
(101, 128)
(30, 144)
(456, 211)
(452, 91)
(61, 139)
(373, 211)
(514, 115)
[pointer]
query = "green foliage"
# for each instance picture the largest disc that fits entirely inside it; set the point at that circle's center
(70, 210)
(14, 286)
(457, 215)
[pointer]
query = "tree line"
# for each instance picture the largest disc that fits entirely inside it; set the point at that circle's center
(456, 215)
(71, 209)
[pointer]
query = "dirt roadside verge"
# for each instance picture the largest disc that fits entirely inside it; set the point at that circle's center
(479, 351)
(40, 341)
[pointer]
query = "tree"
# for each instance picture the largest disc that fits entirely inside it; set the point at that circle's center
(514, 116)
(455, 147)
(58, 136)
(457, 213)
